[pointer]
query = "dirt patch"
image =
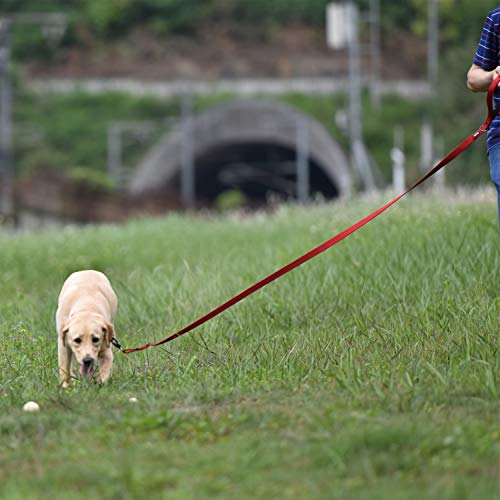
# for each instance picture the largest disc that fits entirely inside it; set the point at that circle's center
(221, 51)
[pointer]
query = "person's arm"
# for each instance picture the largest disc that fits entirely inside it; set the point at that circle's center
(485, 66)
(479, 79)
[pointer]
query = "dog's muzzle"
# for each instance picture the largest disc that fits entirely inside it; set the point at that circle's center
(87, 367)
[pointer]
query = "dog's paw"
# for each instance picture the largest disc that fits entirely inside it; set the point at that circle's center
(102, 378)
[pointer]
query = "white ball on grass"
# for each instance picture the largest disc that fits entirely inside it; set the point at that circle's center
(133, 400)
(31, 406)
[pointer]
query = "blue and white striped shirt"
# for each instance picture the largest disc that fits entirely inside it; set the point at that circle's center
(488, 57)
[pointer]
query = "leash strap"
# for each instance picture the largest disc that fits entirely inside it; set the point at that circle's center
(335, 239)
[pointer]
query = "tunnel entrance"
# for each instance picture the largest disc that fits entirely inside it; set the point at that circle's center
(259, 171)
(249, 146)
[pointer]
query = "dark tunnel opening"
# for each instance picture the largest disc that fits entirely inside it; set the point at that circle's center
(259, 171)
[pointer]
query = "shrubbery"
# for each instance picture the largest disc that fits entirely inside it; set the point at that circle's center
(460, 19)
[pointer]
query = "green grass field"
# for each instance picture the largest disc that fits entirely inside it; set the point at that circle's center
(371, 372)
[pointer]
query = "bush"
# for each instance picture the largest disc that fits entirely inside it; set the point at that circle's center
(460, 19)
(115, 17)
(232, 199)
(111, 16)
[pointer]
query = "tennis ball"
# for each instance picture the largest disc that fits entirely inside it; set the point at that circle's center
(31, 406)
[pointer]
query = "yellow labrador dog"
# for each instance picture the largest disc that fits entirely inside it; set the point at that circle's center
(84, 319)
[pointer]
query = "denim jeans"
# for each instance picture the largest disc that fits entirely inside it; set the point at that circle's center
(494, 155)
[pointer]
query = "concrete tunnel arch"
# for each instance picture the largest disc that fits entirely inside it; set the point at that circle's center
(249, 145)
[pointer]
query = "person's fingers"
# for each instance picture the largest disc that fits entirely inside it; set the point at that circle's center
(496, 73)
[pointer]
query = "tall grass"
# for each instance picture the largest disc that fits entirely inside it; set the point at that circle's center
(371, 372)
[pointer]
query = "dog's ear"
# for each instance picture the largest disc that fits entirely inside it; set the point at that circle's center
(63, 335)
(109, 333)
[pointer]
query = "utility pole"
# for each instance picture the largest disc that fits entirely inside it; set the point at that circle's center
(115, 167)
(53, 26)
(343, 31)
(427, 133)
(302, 160)
(187, 173)
(6, 170)
(375, 52)
(141, 130)
(433, 44)
(358, 150)
(398, 161)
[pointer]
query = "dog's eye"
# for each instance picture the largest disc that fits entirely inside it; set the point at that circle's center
(78, 341)
(95, 340)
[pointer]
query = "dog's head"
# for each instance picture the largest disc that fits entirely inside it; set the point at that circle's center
(87, 336)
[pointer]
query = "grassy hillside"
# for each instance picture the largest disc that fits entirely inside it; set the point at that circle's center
(70, 131)
(373, 371)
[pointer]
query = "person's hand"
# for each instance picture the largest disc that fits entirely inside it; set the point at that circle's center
(479, 79)
(495, 73)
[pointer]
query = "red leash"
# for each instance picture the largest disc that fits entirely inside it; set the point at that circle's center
(332, 241)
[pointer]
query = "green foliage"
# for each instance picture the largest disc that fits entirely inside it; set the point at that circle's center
(30, 43)
(452, 124)
(232, 199)
(58, 120)
(71, 130)
(46, 127)
(110, 15)
(371, 372)
(117, 16)
(460, 18)
(175, 16)
(91, 177)
(280, 11)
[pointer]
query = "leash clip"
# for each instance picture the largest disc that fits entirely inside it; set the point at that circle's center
(117, 344)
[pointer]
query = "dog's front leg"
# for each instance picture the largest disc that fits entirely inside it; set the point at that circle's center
(105, 365)
(64, 355)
